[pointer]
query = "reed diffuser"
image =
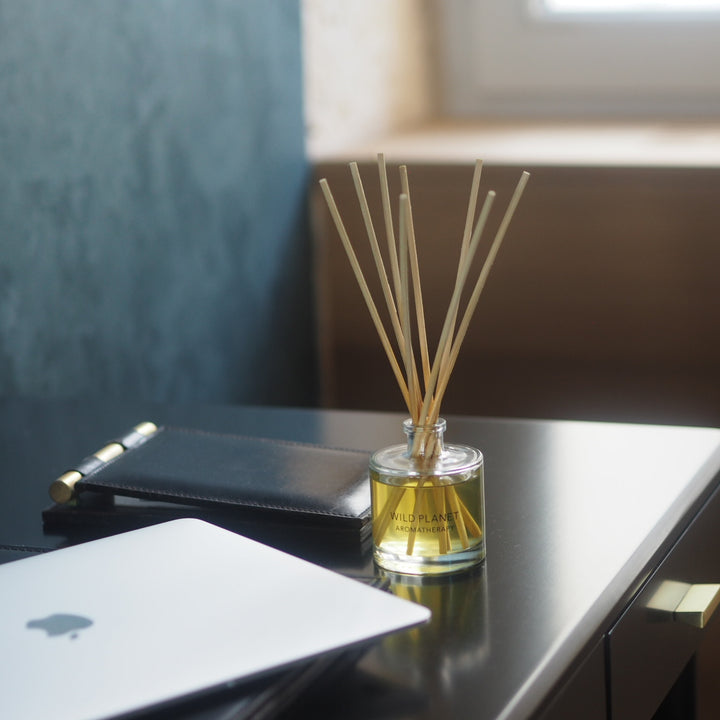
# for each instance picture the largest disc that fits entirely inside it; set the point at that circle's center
(427, 496)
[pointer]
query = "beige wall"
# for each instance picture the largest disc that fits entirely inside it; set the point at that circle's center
(369, 68)
(603, 303)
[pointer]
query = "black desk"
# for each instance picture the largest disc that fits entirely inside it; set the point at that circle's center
(584, 520)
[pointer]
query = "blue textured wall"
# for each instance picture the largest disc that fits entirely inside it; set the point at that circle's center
(153, 238)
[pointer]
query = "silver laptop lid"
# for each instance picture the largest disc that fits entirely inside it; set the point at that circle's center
(108, 627)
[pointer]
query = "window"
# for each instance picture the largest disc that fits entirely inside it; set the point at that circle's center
(582, 58)
(657, 7)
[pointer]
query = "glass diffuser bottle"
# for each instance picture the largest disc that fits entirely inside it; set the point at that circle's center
(428, 506)
(428, 503)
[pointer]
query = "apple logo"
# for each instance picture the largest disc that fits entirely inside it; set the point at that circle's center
(60, 624)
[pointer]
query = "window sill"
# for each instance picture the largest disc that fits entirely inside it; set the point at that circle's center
(528, 144)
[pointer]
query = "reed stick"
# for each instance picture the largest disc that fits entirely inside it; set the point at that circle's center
(384, 516)
(445, 336)
(441, 505)
(375, 248)
(389, 228)
(419, 495)
(407, 350)
(423, 403)
(415, 269)
(479, 286)
(357, 270)
(472, 205)
(467, 234)
(454, 501)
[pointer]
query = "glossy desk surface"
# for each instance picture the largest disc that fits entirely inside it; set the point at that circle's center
(578, 515)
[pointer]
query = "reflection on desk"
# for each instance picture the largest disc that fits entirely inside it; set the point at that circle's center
(579, 517)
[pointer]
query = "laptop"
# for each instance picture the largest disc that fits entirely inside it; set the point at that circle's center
(152, 616)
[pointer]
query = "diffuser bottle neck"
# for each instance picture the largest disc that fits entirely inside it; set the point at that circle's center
(425, 442)
(425, 454)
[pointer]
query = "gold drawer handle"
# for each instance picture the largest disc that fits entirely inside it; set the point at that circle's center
(685, 603)
(698, 604)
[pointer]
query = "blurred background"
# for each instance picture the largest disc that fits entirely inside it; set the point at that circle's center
(602, 302)
(162, 236)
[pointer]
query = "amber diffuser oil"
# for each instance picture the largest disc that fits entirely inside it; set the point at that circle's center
(428, 504)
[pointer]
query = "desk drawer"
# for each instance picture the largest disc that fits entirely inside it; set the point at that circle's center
(648, 648)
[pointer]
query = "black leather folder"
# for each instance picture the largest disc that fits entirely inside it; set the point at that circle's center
(269, 489)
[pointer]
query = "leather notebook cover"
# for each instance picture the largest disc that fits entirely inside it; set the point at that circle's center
(256, 481)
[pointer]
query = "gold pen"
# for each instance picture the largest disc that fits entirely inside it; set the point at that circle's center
(62, 490)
